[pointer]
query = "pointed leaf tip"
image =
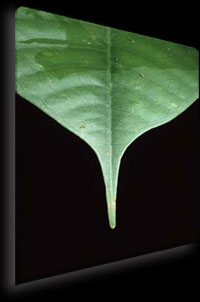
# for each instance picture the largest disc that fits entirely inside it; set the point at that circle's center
(112, 213)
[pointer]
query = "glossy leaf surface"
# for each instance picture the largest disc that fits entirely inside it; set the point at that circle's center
(105, 85)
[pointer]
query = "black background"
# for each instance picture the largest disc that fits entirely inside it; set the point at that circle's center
(61, 217)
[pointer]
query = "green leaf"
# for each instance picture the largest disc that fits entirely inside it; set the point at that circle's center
(105, 85)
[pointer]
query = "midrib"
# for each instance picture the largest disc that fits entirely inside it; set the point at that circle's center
(110, 110)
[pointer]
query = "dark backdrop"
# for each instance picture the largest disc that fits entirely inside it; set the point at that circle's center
(61, 217)
(61, 214)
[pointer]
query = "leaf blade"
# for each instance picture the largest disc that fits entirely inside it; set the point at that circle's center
(105, 85)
